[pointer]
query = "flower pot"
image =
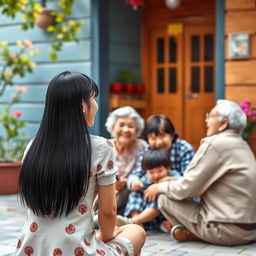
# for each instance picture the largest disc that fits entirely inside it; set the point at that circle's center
(130, 88)
(45, 19)
(9, 175)
(140, 89)
(116, 87)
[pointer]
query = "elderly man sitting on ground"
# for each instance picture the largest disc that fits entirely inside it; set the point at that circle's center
(223, 174)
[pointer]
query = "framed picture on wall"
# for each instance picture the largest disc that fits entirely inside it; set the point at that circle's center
(239, 45)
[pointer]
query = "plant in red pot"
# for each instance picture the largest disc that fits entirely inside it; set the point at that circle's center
(140, 90)
(128, 77)
(12, 144)
(12, 138)
(116, 87)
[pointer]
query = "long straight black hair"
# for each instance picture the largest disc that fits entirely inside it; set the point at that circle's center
(55, 171)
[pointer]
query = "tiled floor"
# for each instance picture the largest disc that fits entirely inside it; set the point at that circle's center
(12, 216)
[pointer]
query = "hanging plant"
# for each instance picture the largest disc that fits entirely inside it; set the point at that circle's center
(63, 29)
(28, 9)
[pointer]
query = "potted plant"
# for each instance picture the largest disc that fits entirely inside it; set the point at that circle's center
(45, 19)
(249, 132)
(12, 144)
(12, 139)
(128, 77)
(57, 22)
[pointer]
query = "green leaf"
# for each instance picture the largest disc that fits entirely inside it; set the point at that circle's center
(53, 56)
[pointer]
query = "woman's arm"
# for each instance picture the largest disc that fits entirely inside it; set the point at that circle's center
(107, 212)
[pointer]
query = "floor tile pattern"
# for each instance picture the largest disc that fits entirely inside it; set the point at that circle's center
(12, 216)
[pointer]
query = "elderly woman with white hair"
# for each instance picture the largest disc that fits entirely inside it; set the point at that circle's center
(223, 174)
(125, 126)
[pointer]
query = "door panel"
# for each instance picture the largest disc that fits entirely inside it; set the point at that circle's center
(199, 80)
(182, 78)
(166, 76)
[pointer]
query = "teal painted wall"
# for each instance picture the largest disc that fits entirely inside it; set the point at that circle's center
(119, 42)
(109, 42)
(124, 38)
(74, 57)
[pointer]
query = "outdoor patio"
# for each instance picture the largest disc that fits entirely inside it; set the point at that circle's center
(12, 216)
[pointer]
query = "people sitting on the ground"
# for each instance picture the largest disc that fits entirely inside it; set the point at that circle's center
(156, 165)
(125, 126)
(160, 133)
(223, 173)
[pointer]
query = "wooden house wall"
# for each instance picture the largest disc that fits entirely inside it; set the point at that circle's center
(240, 77)
(74, 57)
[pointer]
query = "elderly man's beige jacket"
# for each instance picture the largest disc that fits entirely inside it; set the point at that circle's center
(223, 174)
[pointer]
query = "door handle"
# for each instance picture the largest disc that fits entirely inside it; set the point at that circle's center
(191, 96)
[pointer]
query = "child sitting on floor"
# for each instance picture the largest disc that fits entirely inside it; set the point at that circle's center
(156, 164)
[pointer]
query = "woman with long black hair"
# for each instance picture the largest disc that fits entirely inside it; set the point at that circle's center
(63, 169)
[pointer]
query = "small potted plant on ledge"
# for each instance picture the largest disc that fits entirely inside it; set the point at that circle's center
(128, 77)
(249, 132)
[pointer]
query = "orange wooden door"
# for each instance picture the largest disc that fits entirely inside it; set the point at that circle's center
(181, 77)
(199, 80)
(166, 76)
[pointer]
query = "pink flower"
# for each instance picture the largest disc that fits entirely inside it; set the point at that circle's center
(28, 44)
(21, 89)
(14, 96)
(247, 108)
(17, 113)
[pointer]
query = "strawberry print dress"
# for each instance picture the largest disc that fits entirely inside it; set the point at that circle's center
(74, 235)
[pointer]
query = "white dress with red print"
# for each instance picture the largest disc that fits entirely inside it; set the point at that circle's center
(74, 234)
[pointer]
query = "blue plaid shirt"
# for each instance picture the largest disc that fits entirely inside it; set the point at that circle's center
(181, 154)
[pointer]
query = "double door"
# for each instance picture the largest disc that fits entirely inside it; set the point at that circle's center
(181, 77)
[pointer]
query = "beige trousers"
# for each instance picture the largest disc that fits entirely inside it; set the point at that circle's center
(179, 212)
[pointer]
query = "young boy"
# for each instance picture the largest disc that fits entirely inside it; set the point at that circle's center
(156, 164)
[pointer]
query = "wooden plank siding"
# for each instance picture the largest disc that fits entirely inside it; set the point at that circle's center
(124, 39)
(74, 57)
(240, 75)
(239, 5)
